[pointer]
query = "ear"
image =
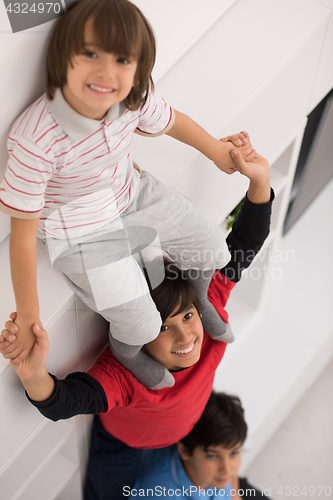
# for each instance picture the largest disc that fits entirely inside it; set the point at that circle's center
(183, 453)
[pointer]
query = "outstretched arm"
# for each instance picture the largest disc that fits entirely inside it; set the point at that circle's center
(23, 270)
(78, 393)
(189, 132)
(32, 372)
(251, 227)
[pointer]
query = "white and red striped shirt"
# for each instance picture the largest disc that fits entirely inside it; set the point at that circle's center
(73, 172)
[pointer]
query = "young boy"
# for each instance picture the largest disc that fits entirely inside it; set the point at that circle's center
(204, 463)
(132, 417)
(70, 181)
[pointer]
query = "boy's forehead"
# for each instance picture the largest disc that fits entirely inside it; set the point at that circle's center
(180, 310)
(92, 40)
(89, 33)
(220, 448)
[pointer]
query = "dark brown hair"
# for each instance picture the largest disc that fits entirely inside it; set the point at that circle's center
(175, 293)
(221, 424)
(119, 27)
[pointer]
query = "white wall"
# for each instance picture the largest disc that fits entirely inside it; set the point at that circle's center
(22, 59)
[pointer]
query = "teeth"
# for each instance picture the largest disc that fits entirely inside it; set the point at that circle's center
(185, 351)
(100, 89)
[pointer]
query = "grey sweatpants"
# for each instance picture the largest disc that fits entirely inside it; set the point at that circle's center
(103, 267)
(105, 270)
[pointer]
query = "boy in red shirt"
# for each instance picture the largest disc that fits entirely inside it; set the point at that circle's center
(133, 417)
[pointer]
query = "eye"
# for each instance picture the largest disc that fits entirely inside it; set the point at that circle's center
(164, 328)
(123, 60)
(210, 456)
(188, 316)
(234, 453)
(90, 55)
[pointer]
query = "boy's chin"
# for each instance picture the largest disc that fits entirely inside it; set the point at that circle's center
(185, 364)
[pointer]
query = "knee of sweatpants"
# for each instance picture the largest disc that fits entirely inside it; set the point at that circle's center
(135, 323)
(123, 350)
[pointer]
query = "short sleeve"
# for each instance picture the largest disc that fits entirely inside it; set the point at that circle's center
(26, 176)
(156, 117)
(219, 292)
(112, 377)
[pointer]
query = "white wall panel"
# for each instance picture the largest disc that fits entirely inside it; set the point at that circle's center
(16, 414)
(63, 356)
(93, 333)
(219, 85)
(324, 78)
(22, 57)
(178, 25)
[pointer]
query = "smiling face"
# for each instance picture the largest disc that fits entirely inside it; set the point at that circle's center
(179, 343)
(96, 80)
(215, 467)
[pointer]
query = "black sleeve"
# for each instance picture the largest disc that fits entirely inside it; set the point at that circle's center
(79, 393)
(248, 234)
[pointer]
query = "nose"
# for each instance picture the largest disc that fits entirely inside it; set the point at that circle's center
(107, 68)
(184, 335)
(224, 466)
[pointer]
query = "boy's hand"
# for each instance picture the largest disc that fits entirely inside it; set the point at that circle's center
(242, 142)
(257, 171)
(32, 372)
(237, 139)
(17, 347)
(34, 361)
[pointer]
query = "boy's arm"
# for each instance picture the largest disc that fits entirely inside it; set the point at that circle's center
(252, 225)
(189, 132)
(24, 278)
(32, 372)
(78, 393)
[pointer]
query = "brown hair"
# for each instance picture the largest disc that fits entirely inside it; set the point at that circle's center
(221, 424)
(174, 293)
(119, 27)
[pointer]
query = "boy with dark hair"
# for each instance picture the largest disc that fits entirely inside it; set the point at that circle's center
(204, 463)
(70, 181)
(130, 416)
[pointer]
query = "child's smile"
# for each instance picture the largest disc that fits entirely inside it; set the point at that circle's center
(179, 343)
(96, 80)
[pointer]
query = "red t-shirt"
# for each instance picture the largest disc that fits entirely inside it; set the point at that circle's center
(143, 418)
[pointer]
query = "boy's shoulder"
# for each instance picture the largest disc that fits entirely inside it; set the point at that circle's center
(219, 291)
(33, 121)
(110, 372)
(156, 466)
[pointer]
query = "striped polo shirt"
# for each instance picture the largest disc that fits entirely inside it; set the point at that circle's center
(73, 172)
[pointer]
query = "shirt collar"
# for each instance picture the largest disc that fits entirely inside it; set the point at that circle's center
(76, 125)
